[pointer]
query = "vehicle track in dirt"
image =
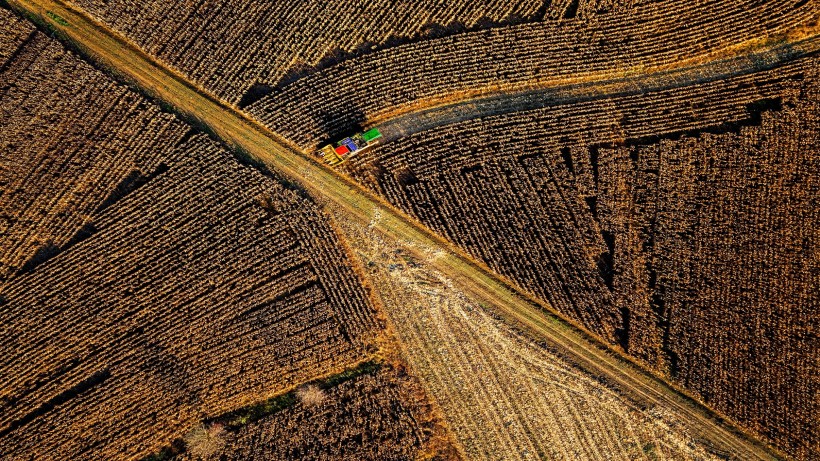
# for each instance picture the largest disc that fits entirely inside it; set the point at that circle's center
(700, 70)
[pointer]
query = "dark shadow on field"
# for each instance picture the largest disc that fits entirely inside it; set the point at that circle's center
(129, 184)
(75, 391)
(432, 30)
(43, 254)
(338, 122)
(256, 92)
(606, 261)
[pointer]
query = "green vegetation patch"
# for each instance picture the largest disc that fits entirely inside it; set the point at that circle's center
(235, 420)
(243, 416)
(57, 18)
(367, 368)
(246, 415)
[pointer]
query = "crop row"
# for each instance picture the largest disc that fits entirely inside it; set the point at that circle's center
(330, 103)
(504, 395)
(518, 191)
(13, 34)
(149, 279)
(713, 239)
(191, 298)
(713, 106)
(228, 46)
(371, 417)
(640, 216)
(79, 141)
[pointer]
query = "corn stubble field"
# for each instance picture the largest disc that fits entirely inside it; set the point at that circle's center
(232, 46)
(678, 224)
(150, 281)
(153, 286)
(692, 250)
(504, 395)
(623, 43)
(375, 416)
(80, 138)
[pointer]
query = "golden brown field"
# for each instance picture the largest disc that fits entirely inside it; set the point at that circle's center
(586, 230)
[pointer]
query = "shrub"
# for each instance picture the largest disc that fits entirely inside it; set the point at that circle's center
(311, 395)
(203, 441)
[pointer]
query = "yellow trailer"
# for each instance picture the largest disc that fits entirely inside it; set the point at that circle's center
(330, 155)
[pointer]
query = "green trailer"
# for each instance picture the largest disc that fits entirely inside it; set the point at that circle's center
(371, 134)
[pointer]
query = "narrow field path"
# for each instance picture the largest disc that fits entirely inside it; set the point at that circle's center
(755, 59)
(248, 137)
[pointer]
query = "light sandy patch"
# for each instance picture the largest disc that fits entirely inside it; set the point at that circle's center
(504, 395)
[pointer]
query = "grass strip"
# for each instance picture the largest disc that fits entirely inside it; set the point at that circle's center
(237, 419)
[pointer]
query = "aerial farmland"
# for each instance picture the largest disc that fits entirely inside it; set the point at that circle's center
(415, 230)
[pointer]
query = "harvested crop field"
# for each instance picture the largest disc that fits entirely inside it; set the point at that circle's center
(505, 395)
(377, 415)
(569, 229)
(206, 289)
(623, 213)
(192, 285)
(80, 141)
(241, 49)
(14, 33)
(625, 44)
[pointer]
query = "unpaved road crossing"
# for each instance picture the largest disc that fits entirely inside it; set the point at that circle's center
(128, 63)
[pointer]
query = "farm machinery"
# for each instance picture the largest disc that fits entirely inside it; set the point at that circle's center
(335, 154)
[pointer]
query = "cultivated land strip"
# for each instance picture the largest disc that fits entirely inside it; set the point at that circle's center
(503, 395)
(114, 53)
(763, 57)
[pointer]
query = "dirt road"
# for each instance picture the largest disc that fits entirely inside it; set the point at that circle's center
(756, 59)
(128, 63)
